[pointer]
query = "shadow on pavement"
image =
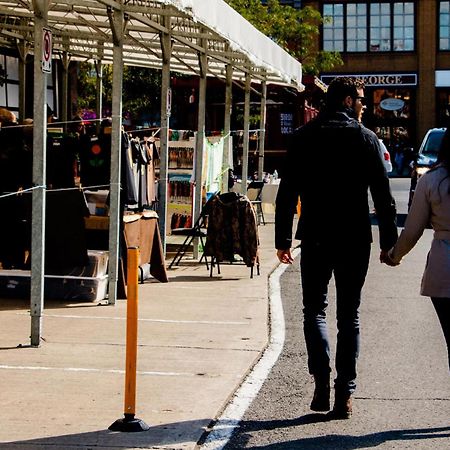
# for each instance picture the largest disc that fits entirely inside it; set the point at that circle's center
(348, 442)
(196, 278)
(172, 435)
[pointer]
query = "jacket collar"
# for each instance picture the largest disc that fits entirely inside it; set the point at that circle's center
(344, 114)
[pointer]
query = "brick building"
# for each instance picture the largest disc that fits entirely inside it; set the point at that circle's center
(402, 50)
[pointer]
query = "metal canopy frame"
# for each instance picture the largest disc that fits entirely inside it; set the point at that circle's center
(197, 37)
(84, 29)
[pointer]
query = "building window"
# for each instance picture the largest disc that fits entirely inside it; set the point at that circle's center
(356, 28)
(333, 27)
(380, 27)
(444, 26)
(403, 26)
(390, 26)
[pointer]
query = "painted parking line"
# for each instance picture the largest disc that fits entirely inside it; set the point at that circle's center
(194, 322)
(94, 370)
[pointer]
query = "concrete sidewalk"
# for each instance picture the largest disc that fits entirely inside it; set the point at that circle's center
(198, 337)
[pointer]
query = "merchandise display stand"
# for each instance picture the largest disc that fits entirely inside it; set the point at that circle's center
(232, 230)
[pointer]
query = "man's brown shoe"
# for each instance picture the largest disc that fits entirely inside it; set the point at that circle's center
(321, 398)
(342, 407)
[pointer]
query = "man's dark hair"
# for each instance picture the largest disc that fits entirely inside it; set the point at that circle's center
(340, 88)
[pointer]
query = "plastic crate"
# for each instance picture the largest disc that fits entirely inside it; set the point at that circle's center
(17, 283)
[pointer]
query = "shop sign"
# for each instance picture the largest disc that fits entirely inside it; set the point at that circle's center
(287, 123)
(392, 104)
(386, 79)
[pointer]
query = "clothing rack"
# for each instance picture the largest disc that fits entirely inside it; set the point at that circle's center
(232, 230)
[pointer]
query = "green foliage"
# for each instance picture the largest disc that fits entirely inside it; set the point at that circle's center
(86, 84)
(141, 89)
(296, 30)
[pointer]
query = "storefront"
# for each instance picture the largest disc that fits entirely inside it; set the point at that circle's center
(443, 97)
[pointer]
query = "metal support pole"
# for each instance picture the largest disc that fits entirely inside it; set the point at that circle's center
(23, 52)
(166, 48)
(39, 175)
(262, 130)
(65, 88)
(227, 126)
(116, 139)
(246, 143)
(203, 63)
(99, 94)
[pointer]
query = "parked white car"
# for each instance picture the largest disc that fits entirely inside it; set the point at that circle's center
(386, 157)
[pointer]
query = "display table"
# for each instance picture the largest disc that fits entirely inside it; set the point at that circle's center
(139, 230)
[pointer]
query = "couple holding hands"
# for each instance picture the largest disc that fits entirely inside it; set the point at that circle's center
(336, 234)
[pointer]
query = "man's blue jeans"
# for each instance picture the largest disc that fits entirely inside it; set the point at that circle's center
(349, 264)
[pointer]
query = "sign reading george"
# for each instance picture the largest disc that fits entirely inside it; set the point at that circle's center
(47, 51)
(386, 79)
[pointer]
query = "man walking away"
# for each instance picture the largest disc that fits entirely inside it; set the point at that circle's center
(335, 230)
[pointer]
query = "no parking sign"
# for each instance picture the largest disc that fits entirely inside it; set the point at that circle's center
(47, 51)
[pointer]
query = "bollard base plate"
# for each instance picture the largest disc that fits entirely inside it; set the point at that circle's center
(129, 425)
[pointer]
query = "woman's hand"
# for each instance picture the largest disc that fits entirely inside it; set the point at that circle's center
(385, 258)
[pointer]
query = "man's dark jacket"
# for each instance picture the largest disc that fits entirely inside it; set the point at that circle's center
(331, 163)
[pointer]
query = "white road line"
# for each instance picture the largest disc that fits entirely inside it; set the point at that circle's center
(202, 322)
(232, 415)
(93, 370)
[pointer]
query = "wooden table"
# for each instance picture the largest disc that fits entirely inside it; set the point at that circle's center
(139, 230)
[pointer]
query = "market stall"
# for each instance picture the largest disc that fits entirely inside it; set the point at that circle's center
(186, 36)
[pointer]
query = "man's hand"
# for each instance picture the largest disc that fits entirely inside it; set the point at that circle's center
(284, 256)
(386, 259)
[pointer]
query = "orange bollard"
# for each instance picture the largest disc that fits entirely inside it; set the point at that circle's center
(129, 422)
(132, 325)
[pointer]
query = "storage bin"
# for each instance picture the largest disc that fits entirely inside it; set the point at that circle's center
(97, 266)
(76, 288)
(17, 284)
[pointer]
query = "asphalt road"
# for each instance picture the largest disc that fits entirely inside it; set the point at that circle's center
(403, 395)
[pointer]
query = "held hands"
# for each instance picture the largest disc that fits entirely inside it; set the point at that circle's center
(284, 256)
(386, 259)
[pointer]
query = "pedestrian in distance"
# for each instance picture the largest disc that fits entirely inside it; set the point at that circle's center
(431, 204)
(335, 231)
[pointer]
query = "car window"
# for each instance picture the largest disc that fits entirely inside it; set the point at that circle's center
(433, 143)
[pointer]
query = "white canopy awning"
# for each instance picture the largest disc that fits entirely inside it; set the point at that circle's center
(84, 29)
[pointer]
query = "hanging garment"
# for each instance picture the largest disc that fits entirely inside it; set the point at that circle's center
(152, 156)
(140, 162)
(128, 178)
(214, 160)
(232, 229)
(65, 241)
